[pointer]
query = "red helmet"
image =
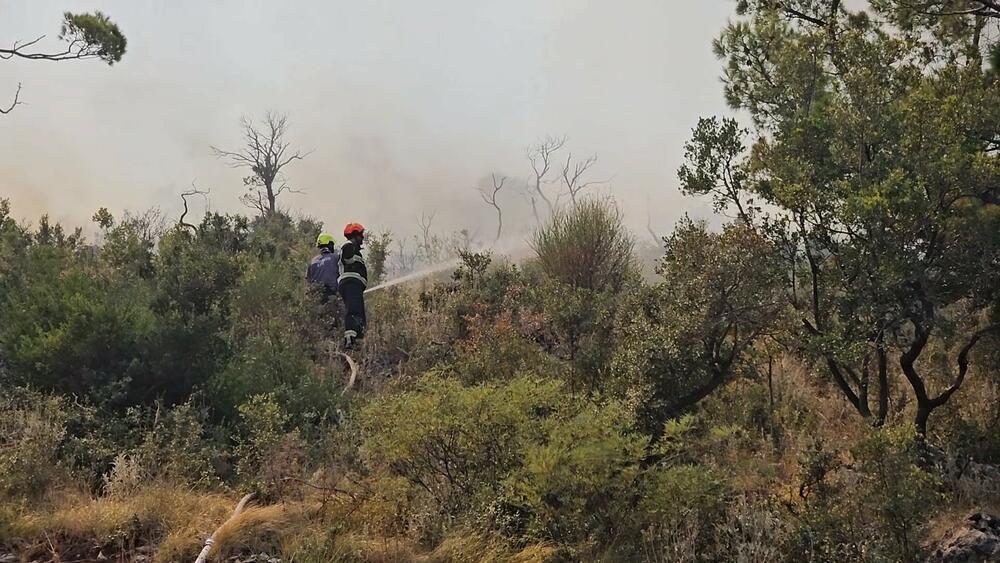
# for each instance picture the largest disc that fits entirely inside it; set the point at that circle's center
(354, 229)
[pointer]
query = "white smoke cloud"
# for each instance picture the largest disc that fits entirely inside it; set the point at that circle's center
(407, 105)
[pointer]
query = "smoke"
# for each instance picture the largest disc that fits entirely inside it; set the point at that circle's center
(406, 105)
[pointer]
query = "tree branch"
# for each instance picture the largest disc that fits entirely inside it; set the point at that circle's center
(489, 196)
(795, 14)
(184, 195)
(540, 157)
(963, 365)
(838, 376)
(15, 103)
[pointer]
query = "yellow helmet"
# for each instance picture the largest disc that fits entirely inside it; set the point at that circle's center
(324, 239)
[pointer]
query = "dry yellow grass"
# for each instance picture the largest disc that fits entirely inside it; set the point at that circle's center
(174, 519)
(474, 548)
(242, 529)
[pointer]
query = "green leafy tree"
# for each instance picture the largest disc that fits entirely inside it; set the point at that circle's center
(377, 254)
(692, 333)
(873, 172)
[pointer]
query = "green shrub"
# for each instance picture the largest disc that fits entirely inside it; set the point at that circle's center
(898, 491)
(578, 482)
(32, 427)
(683, 489)
(587, 246)
(579, 329)
(456, 443)
(74, 334)
(494, 350)
(179, 446)
(269, 452)
(876, 509)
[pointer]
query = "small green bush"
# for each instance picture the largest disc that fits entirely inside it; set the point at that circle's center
(179, 446)
(456, 443)
(578, 482)
(588, 246)
(268, 450)
(32, 428)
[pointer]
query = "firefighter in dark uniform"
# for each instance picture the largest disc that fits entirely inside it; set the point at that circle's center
(352, 283)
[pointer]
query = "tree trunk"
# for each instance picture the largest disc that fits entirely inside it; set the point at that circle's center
(271, 198)
(883, 384)
(920, 420)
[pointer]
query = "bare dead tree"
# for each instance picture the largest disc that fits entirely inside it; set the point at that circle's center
(462, 240)
(428, 247)
(489, 195)
(16, 102)
(195, 190)
(540, 155)
(403, 261)
(426, 222)
(265, 153)
(529, 193)
(573, 176)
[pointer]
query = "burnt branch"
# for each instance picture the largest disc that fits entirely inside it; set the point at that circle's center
(76, 49)
(489, 196)
(540, 155)
(573, 173)
(15, 103)
(186, 194)
(657, 239)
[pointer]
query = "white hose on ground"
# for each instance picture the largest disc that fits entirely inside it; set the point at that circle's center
(354, 371)
(203, 556)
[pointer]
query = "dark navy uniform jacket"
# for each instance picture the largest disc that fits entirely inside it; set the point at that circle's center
(324, 270)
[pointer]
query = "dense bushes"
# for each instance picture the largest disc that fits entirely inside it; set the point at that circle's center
(512, 411)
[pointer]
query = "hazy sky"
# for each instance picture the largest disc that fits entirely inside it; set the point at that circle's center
(406, 104)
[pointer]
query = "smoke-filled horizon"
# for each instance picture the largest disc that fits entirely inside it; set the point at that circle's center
(406, 107)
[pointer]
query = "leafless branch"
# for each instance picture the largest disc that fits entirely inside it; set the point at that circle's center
(573, 173)
(404, 261)
(796, 14)
(426, 222)
(15, 103)
(184, 195)
(657, 239)
(540, 156)
(489, 195)
(76, 49)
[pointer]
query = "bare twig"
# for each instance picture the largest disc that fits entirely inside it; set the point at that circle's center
(426, 222)
(573, 173)
(15, 103)
(184, 195)
(489, 195)
(540, 156)
(76, 49)
(657, 239)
